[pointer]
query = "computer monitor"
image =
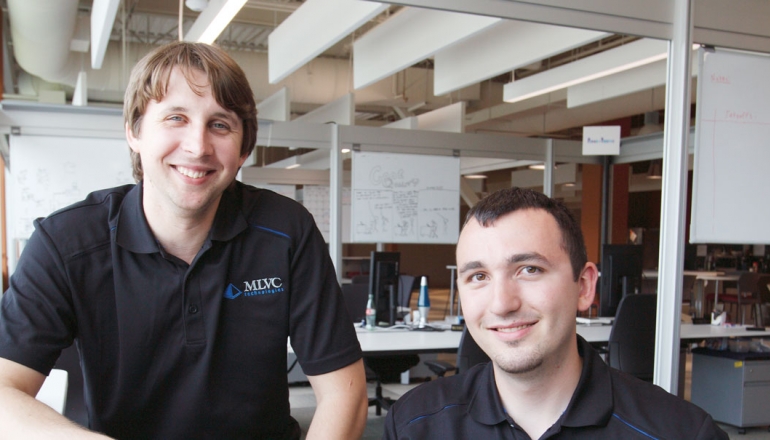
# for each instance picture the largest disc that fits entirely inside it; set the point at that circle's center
(621, 274)
(383, 284)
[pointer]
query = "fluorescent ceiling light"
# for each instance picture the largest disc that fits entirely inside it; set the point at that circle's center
(102, 20)
(291, 167)
(540, 166)
(345, 150)
(503, 48)
(615, 60)
(213, 20)
(311, 29)
(622, 83)
(475, 176)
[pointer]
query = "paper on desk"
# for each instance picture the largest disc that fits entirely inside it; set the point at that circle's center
(602, 321)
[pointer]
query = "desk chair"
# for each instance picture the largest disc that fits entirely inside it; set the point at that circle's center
(386, 369)
(748, 294)
(407, 284)
(631, 347)
(763, 286)
(360, 279)
(355, 297)
(468, 355)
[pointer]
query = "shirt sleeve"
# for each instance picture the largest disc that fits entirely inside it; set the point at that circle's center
(709, 430)
(321, 332)
(36, 314)
(390, 425)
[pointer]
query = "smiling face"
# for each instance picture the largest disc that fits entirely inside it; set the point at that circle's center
(190, 148)
(518, 291)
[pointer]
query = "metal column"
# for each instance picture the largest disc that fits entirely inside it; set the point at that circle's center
(673, 198)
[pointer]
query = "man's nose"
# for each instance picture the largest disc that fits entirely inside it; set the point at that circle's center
(505, 297)
(197, 141)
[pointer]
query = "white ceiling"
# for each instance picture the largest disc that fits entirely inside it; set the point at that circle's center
(420, 42)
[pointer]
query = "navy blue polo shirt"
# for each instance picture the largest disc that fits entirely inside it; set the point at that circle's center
(171, 350)
(606, 404)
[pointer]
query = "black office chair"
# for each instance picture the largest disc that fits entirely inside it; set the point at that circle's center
(468, 355)
(386, 369)
(407, 284)
(631, 346)
(355, 297)
(360, 279)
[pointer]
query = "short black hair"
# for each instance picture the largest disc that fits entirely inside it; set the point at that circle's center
(508, 200)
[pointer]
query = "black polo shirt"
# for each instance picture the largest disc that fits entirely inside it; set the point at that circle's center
(606, 404)
(171, 350)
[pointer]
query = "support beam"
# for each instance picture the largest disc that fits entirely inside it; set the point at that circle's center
(102, 21)
(502, 48)
(548, 170)
(410, 36)
(213, 20)
(335, 201)
(467, 193)
(276, 107)
(674, 196)
(341, 111)
(311, 29)
(606, 63)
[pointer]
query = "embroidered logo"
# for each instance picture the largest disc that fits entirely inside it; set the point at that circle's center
(232, 292)
(262, 286)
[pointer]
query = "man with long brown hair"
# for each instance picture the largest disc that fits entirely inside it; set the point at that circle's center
(180, 291)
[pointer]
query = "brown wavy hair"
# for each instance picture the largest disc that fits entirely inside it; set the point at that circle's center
(150, 77)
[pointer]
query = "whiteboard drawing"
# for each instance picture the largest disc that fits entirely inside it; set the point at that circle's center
(49, 173)
(405, 198)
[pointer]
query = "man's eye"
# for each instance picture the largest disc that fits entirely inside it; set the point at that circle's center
(220, 126)
(531, 270)
(478, 277)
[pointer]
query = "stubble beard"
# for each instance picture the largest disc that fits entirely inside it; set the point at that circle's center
(516, 362)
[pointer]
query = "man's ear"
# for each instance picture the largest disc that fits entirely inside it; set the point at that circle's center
(587, 283)
(131, 139)
(243, 159)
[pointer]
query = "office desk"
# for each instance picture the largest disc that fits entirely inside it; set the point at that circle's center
(701, 277)
(382, 341)
(405, 341)
(687, 332)
(385, 342)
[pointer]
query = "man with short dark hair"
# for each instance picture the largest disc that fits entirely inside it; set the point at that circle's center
(522, 276)
(180, 292)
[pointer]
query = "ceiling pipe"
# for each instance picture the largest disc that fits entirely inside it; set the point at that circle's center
(42, 31)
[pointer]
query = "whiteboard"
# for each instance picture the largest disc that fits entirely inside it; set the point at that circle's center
(405, 198)
(732, 149)
(49, 173)
(315, 198)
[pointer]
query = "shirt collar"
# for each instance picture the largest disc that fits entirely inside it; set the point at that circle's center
(133, 233)
(485, 406)
(591, 403)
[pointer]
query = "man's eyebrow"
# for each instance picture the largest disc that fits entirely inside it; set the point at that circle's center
(534, 257)
(231, 116)
(471, 265)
